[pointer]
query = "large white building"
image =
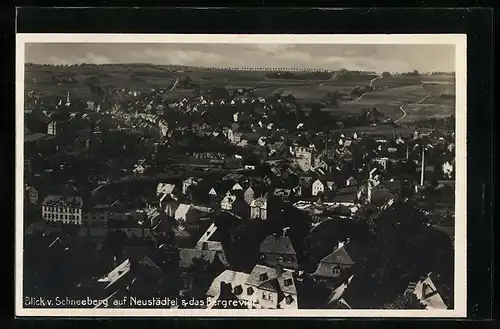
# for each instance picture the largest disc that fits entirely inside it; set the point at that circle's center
(54, 128)
(65, 209)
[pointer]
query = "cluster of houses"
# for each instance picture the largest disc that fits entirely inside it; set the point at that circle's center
(326, 175)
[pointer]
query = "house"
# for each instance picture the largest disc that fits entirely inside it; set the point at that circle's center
(283, 193)
(237, 187)
(432, 293)
(235, 205)
(339, 264)
(170, 205)
(249, 195)
(236, 137)
(227, 202)
(186, 213)
(54, 128)
(235, 282)
(264, 287)
(346, 196)
(258, 208)
(65, 209)
(278, 250)
(96, 215)
(190, 181)
(163, 191)
(139, 169)
(199, 267)
(379, 192)
(351, 181)
(305, 157)
(140, 276)
(271, 288)
(318, 187)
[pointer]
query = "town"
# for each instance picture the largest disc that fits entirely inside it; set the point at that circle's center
(197, 191)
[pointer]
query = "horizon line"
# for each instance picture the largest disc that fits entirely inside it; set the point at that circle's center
(214, 67)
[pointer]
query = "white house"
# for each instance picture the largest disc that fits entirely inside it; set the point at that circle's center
(258, 208)
(263, 288)
(317, 187)
(227, 202)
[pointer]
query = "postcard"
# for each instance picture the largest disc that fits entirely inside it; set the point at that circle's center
(241, 175)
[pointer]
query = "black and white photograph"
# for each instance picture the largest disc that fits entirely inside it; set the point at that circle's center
(242, 175)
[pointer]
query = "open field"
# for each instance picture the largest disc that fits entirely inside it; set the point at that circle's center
(401, 80)
(415, 112)
(389, 102)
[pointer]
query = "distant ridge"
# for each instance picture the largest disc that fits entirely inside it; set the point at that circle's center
(226, 68)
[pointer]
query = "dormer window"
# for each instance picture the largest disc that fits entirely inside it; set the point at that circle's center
(238, 290)
(205, 246)
(280, 259)
(336, 271)
(288, 282)
(250, 291)
(263, 277)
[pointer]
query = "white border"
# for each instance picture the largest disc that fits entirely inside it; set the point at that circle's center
(461, 171)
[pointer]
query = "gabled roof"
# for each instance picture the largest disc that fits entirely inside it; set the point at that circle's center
(182, 210)
(277, 245)
(187, 257)
(228, 276)
(116, 274)
(165, 188)
(339, 256)
(260, 275)
(347, 254)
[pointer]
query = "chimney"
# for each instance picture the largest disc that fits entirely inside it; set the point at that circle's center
(225, 288)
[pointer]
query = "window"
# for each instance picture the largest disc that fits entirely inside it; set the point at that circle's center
(288, 300)
(263, 257)
(280, 259)
(336, 271)
(288, 282)
(250, 291)
(238, 290)
(263, 277)
(60, 209)
(264, 296)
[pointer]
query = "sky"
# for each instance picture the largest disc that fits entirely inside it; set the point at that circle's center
(365, 57)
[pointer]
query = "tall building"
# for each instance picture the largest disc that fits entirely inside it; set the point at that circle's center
(65, 209)
(54, 128)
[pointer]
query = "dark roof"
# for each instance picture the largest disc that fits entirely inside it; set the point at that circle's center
(277, 245)
(348, 254)
(188, 256)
